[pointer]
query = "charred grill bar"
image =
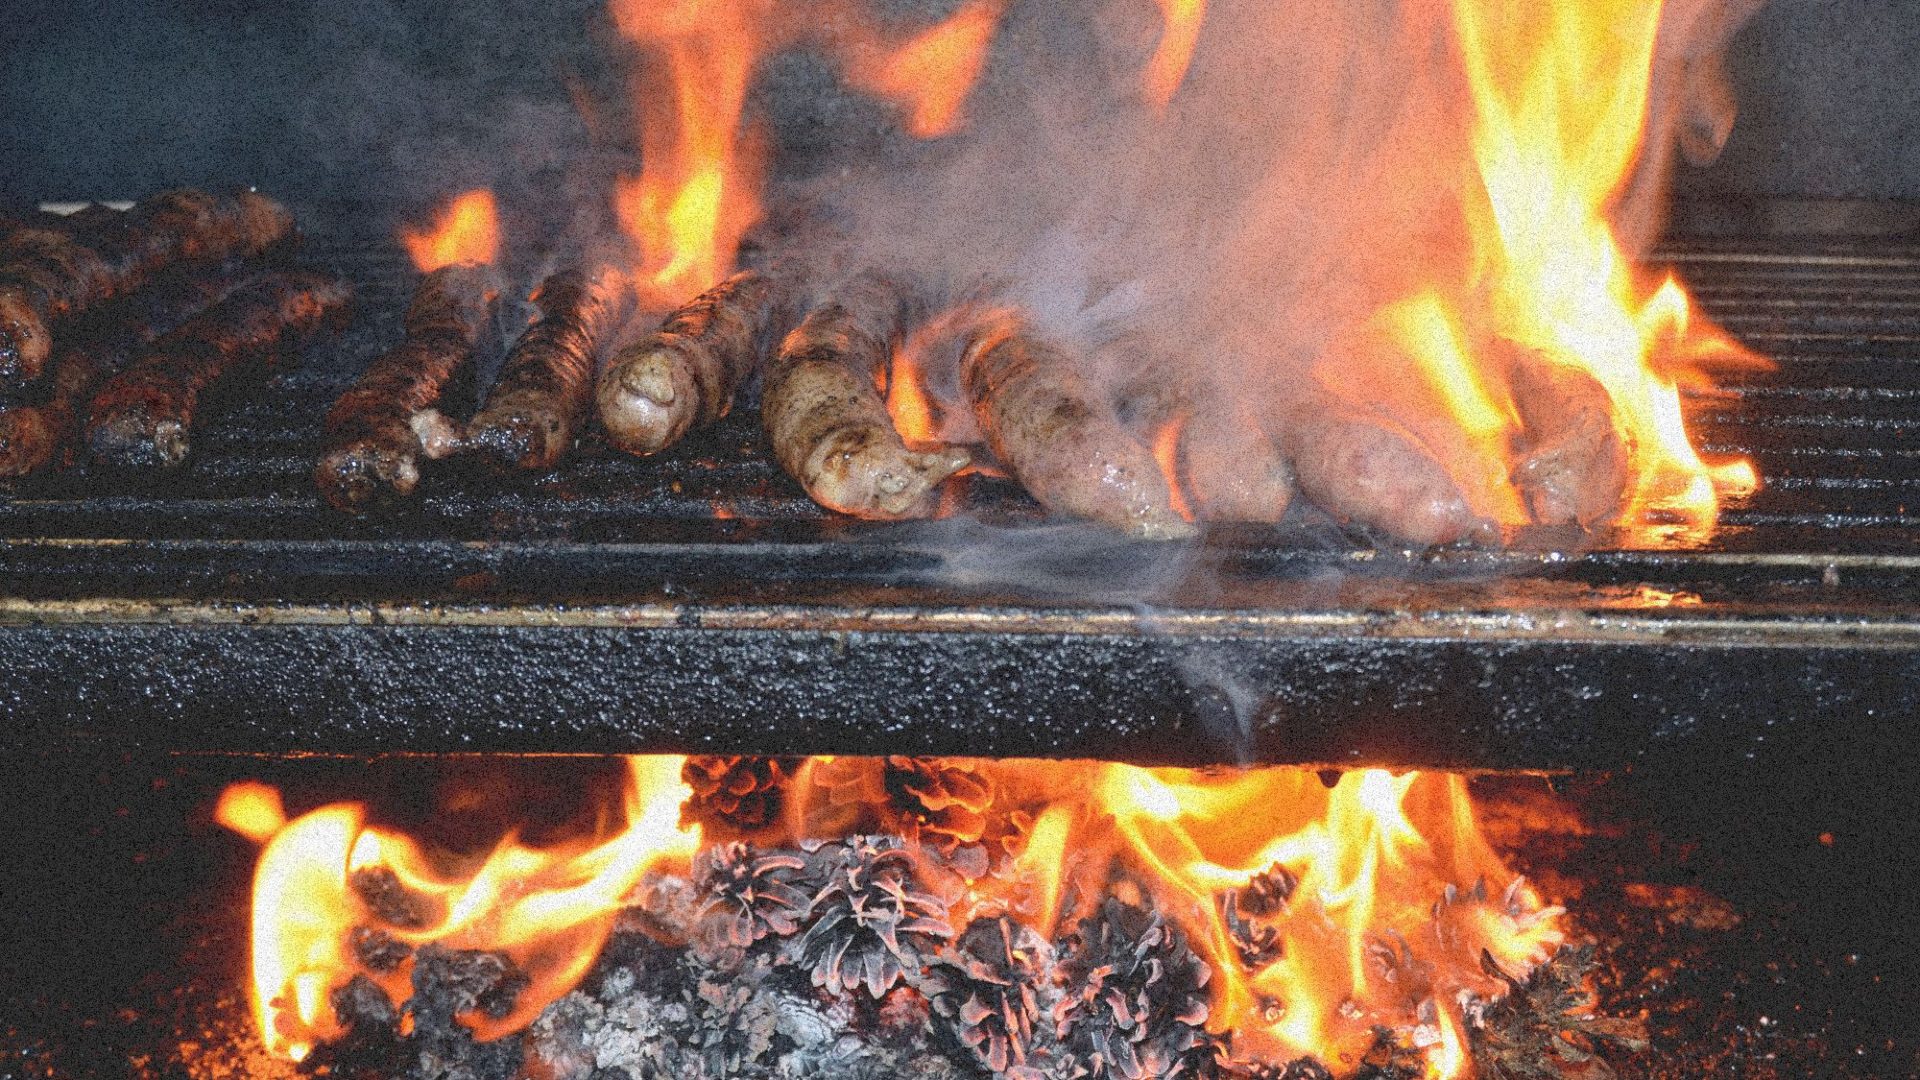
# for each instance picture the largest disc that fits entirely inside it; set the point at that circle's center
(697, 600)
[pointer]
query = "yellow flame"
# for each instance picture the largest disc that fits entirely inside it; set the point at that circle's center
(467, 232)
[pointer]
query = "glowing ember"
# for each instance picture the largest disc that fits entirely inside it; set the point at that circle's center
(467, 232)
(1323, 914)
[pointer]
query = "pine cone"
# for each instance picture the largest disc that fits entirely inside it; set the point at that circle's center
(1136, 998)
(1305, 1068)
(871, 922)
(938, 801)
(1269, 892)
(748, 896)
(988, 986)
(1257, 943)
(734, 795)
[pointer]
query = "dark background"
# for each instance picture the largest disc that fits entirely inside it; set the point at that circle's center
(393, 103)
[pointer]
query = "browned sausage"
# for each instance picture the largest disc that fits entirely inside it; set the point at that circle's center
(45, 432)
(144, 416)
(539, 404)
(55, 273)
(1572, 464)
(381, 427)
(1361, 468)
(829, 425)
(1226, 465)
(686, 373)
(1058, 438)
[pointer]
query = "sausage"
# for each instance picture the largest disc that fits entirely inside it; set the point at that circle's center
(1572, 465)
(54, 273)
(538, 406)
(1361, 468)
(829, 425)
(144, 416)
(1063, 443)
(686, 373)
(376, 433)
(1225, 463)
(38, 434)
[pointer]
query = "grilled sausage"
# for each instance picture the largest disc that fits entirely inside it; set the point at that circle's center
(829, 425)
(1060, 440)
(378, 431)
(144, 416)
(686, 373)
(1572, 464)
(1225, 463)
(1360, 468)
(53, 273)
(45, 432)
(538, 406)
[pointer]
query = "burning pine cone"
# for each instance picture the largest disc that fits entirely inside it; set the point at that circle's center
(871, 923)
(734, 795)
(941, 802)
(1136, 998)
(749, 896)
(988, 987)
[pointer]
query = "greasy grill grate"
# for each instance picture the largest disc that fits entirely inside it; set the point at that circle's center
(699, 600)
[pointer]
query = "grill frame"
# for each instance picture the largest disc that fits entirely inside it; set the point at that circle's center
(607, 608)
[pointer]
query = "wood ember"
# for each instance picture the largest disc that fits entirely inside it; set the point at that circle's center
(144, 416)
(538, 405)
(1058, 437)
(381, 428)
(55, 272)
(827, 420)
(687, 373)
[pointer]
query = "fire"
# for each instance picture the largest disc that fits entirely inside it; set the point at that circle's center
(931, 75)
(549, 910)
(1166, 454)
(1325, 912)
(467, 231)
(697, 193)
(1558, 97)
(907, 401)
(1167, 68)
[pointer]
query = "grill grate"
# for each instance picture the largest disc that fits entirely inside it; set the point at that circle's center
(699, 601)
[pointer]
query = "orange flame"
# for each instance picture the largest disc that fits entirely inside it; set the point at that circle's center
(549, 910)
(695, 196)
(1167, 68)
(931, 75)
(1379, 894)
(907, 402)
(251, 809)
(467, 232)
(1166, 454)
(1558, 99)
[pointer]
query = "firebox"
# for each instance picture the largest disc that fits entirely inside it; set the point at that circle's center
(956, 540)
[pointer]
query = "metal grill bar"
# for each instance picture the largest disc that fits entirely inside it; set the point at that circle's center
(699, 601)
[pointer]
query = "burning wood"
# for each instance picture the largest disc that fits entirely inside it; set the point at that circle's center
(686, 373)
(380, 428)
(538, 406)
(46, 431)
(828, 424)
(51, 274)
(1058, 438)
(144, 416)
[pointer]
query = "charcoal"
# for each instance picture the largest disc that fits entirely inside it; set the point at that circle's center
(377, 950)
(389, 900)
